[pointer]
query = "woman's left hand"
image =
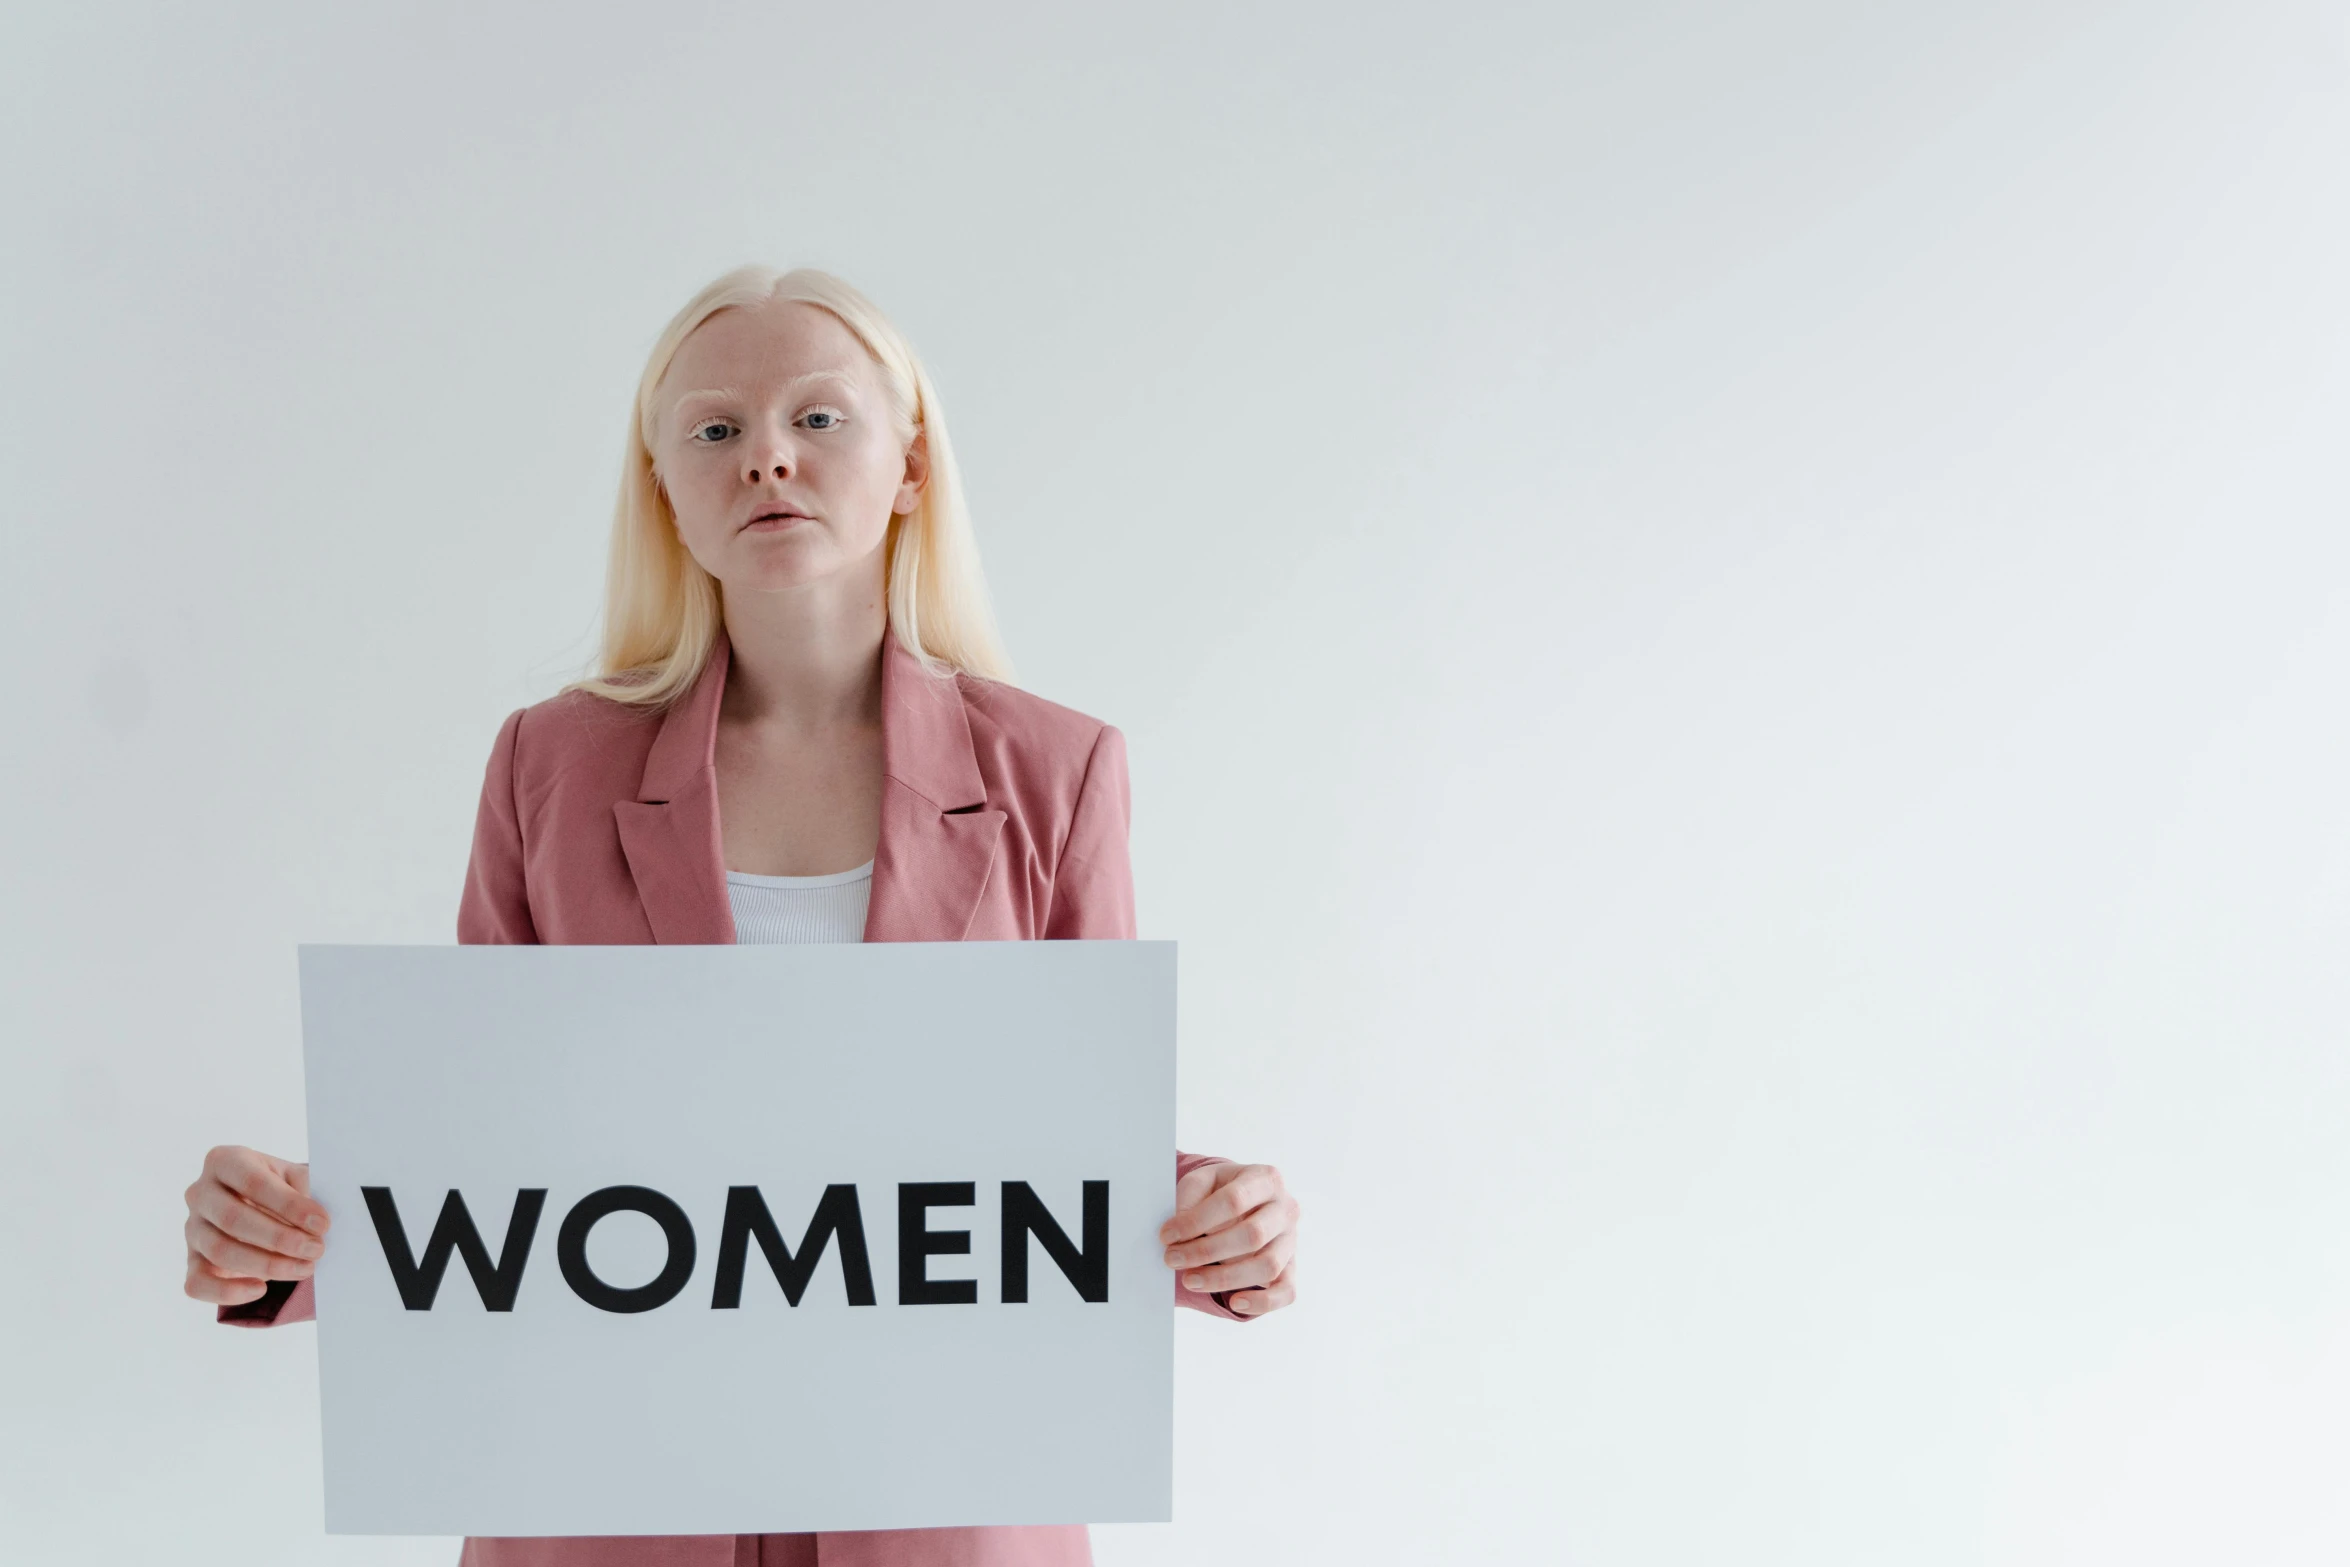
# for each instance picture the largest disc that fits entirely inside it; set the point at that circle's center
(1235, 1228)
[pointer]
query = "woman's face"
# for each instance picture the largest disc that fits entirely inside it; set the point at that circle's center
(773, 441)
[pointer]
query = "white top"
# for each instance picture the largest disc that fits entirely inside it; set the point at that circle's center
(800, 908)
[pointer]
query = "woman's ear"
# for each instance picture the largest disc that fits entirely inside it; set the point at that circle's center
(661, 493)
(917, 474)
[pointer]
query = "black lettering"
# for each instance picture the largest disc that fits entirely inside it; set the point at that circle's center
(1087, 1268)
(454, 1230)
(571, 1248)
(917, 1243)
(837, 1215)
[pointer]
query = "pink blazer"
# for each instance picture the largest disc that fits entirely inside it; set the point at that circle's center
(1003, 818)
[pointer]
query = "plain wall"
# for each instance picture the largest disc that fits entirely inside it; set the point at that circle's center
(1731, 619)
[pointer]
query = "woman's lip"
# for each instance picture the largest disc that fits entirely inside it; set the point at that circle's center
(773, 521)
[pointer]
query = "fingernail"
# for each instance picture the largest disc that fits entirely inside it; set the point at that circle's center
(1196, 1281)
(1244, 1305)
(315, 1224)
(1174, 1259)
(308, 1249)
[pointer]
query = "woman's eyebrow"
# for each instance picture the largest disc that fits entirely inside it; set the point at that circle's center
(728, 394)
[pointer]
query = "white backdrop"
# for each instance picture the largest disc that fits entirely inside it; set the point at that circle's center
(1732, 620)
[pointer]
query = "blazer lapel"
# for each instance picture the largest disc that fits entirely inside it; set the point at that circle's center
(938, 836)
(669, 832)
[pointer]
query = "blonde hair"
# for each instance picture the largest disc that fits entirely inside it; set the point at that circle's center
(662, 612)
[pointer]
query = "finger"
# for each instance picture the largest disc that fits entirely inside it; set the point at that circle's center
(225, 1211)
(207, 1283)
(270, 1188)
(1274, 1296)
(1251, 1186)
(262, 1181)
(232, 1256)
(1250, 1232)
(1189, 1191)
(1257, 1268)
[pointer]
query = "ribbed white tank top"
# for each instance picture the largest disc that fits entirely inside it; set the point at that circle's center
(800, 908)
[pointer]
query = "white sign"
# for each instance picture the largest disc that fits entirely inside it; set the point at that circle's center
(742, 1239)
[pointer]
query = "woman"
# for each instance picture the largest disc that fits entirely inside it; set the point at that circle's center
(802, 732)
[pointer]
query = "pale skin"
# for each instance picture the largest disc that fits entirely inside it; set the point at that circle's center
(776, 446)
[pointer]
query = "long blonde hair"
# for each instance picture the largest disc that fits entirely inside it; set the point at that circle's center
(662, 612)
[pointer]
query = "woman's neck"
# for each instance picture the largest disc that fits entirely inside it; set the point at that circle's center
(807, 658)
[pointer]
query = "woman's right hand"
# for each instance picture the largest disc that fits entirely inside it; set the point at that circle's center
(250, 1219)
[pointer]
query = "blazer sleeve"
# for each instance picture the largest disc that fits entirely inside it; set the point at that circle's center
(495, 908)
(1093, 900)
(281, 1302)
(1093, 883)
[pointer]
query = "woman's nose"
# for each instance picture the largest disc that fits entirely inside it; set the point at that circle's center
(775, 464)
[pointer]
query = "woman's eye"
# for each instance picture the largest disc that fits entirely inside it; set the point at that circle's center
(712, 430)
(822, 413)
